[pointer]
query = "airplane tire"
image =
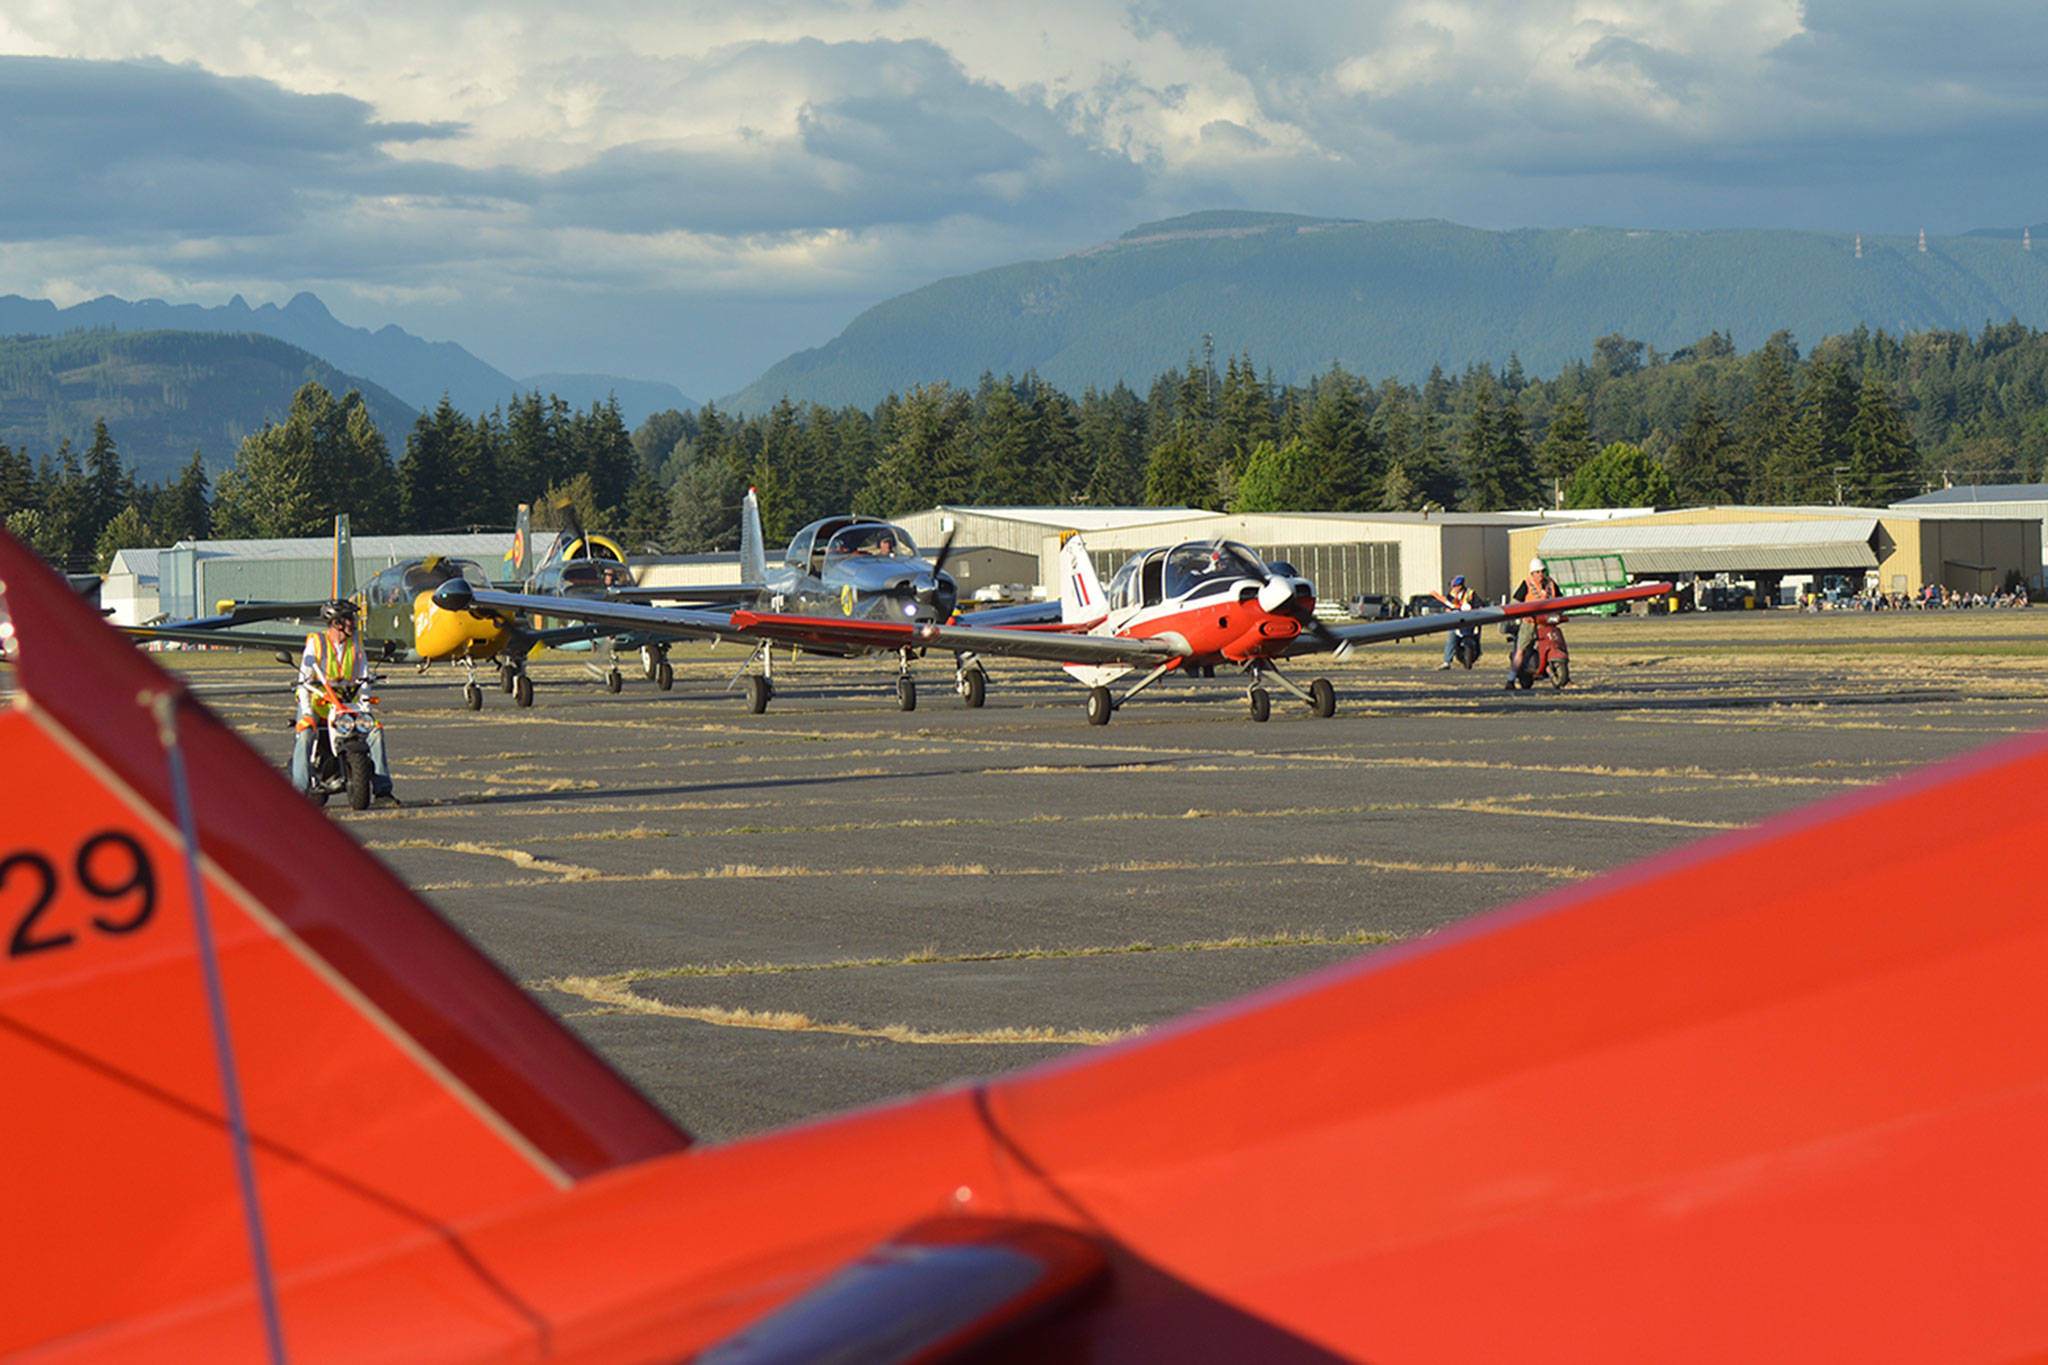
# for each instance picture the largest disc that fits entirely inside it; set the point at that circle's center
(974, 688)
(664, 676)
(1099, 706)
(614, 680)
(1560, 673)
(1262, 704)
(473, 696)
(906, 693)
(650, 661)
(758, 692)
(357, 767)
(1322, 698)
(508, 678)
(522, 690)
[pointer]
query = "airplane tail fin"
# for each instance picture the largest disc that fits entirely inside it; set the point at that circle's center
(521, 555)
(344, 558)
(1082, 601)
(753, 545)
(236, 1046)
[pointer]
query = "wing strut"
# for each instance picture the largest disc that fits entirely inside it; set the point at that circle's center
(164, 704)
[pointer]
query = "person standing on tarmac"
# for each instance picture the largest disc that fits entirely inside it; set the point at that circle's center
(1457, 597)
(1535, 588)
(335, 653)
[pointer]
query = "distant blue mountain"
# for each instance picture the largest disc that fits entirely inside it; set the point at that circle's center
(1394, 298)
(416, 370)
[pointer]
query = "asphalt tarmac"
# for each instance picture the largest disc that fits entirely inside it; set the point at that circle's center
(762, 919)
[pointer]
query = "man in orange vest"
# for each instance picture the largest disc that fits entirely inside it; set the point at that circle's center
(1457, 597)
(1535, 588)
(335, 653)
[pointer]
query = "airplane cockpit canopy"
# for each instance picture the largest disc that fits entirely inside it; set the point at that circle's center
(1191, 565)
(878, 540)
(401, 584)
(594, 575)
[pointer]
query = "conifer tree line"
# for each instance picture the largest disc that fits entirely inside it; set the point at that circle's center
(1866, 419)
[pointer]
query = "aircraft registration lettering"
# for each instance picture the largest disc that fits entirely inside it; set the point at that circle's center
(109, 866)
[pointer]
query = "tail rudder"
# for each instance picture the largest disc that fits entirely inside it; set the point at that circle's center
(521, 554)
(344, 558)
(1082, 601)
(753, 545)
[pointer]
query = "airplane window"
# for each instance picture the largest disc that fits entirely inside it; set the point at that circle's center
(800, 548)
(432, 573)
(1123, 588)
(1148, 577)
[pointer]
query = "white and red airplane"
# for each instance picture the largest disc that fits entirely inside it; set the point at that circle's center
(1193, 607)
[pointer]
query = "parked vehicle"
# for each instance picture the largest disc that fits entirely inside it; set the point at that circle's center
(1465, 645)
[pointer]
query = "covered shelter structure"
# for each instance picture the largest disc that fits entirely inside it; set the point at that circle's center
(1890, 551)
(1978, 502)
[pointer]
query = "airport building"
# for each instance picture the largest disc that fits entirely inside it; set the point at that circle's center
(2025, 501)
(1766, 555)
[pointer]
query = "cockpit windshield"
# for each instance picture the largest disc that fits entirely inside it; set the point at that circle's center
(430, 574)
(595, 574)
(877, 540)
(1189, 566)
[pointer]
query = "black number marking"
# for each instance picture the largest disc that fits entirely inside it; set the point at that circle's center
(141, 877)
(24, 940)
(110, 866)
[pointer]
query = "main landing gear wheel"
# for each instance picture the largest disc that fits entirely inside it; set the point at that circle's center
(974, 688)
(759, 690)
(664, 675)
(1262, 704)
(472, 696)
(906, 693)
(508, 678)
(614, 680)
(1099, 706)
(522, 690)
(1322, 698)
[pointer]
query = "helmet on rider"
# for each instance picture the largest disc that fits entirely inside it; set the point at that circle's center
(338, 609)
(1458, 582)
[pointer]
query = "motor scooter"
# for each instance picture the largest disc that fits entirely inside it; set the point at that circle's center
(1465, 645)
(340, 761)
(1546, 658)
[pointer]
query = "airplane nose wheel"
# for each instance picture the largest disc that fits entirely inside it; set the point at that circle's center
(906, 693)
(759, 690)
(472, 696)
(614, 680)
(1262, 703)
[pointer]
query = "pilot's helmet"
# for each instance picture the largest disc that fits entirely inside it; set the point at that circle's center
(338, 609)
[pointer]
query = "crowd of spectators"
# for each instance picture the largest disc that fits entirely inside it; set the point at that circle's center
(1933, 597)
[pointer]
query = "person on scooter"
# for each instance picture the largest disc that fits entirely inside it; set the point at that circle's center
(334, 653)
(1457, 597)
(1537, 587)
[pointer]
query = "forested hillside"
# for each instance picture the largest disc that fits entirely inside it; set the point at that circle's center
(1866, 418)
(1395, 298)
(163, 394)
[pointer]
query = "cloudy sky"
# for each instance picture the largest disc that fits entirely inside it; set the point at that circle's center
(688, 191)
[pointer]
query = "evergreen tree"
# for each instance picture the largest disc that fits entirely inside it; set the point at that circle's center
(1500, 472)
(1277, 479)
(1622, 475)
(1566, 446)
(185, 512)
(1112, 445)
(1766, 427)
(1346, 471)
(1812, 462)
(1883, 463)
(1702, 464)
(108, 487)
(704, 506)
(923, 456)
(291, 479)
(999, 442)
(645, 522)
(17, 482)
(1174, 476)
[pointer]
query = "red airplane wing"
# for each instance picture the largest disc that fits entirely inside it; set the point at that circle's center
(1779, 1096)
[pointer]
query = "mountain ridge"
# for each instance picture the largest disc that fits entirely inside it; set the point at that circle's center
(1396, 297)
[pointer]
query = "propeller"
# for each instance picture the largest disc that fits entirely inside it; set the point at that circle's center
(1279, 592)
(934, 593)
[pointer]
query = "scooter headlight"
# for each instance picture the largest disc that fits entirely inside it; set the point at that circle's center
(347, 723)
